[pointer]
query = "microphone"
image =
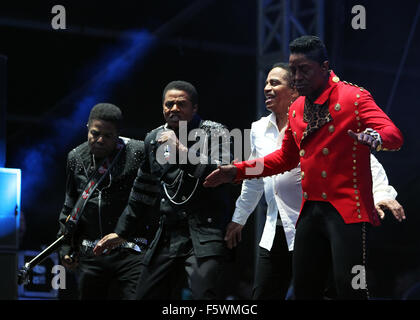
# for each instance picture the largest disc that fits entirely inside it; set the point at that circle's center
(163, 152)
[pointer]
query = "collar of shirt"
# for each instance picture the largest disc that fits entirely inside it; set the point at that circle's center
(272, 123)
(332, 83)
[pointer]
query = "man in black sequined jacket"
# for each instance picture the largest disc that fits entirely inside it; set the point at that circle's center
(120, 268)
(188, 250)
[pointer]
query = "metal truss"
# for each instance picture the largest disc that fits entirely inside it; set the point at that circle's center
(279, 22)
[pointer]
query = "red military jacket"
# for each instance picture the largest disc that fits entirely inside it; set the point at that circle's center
(335, 168)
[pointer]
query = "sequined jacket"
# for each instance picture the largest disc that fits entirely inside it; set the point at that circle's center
(180, 198)
(99, 217)
(334, 167)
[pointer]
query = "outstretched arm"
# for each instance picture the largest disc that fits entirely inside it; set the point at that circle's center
(279, 161)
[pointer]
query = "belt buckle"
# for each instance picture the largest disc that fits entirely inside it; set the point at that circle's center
(89, 243)
(87, 247)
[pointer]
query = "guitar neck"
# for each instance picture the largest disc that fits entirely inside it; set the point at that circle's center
(45, 253)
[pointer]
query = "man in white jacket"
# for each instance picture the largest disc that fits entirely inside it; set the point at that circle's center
(283, 193)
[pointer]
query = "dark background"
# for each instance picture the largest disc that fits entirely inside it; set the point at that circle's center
(49, 71)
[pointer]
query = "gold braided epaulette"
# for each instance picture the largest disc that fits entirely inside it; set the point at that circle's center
(354, 85)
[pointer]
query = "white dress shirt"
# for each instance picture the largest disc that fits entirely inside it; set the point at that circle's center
(283, 192)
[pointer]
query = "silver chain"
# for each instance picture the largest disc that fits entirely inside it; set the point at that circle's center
(364, 257)
(171, 198)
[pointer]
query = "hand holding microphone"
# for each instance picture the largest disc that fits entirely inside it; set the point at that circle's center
(168, 136)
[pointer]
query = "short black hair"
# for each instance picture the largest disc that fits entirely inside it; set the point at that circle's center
(184, 86)
(311, 46)
(106, 112)
(285, 66)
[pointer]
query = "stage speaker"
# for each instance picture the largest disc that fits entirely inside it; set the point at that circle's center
(10, 180)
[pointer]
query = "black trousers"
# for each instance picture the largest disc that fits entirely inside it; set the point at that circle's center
(273, 272)
(323, 242)
(165, 276)
(111, 276)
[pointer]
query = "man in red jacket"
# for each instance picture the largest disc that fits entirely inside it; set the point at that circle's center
(331, 129)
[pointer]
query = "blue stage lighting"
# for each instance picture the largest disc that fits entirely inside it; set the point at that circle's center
(37, 159)
(10, 183)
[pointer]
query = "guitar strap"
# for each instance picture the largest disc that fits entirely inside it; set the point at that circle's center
(73, 218)
(90, 187)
